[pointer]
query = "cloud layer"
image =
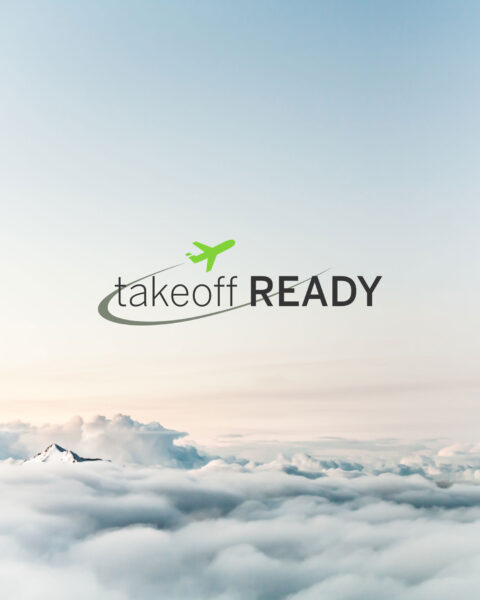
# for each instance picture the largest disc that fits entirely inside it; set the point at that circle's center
(120, 439)
(300, 528)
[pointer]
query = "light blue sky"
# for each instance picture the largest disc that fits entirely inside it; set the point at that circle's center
(316, 134)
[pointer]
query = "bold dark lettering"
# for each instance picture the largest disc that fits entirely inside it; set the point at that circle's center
(317, 295)
(286, 290)
(353, 290)
(254, 279)
(369, 289)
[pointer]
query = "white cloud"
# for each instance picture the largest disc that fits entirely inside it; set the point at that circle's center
(121, 439)
(229, 531)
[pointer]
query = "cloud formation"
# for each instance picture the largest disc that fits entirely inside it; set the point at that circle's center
(121, 439)
(299, 528)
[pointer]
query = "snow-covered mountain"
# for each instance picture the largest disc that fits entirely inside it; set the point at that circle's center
(56, 454)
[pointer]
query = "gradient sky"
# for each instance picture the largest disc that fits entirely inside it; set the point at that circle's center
(316, 134)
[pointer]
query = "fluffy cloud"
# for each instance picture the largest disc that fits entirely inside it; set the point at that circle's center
(299, 528)
(120, 439)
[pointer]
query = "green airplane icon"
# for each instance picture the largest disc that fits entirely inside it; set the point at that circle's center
(209, 253)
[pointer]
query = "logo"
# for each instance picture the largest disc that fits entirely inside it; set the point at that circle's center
(210, 253)
(182, 301)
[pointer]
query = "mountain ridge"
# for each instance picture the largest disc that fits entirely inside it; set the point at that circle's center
(54, 453)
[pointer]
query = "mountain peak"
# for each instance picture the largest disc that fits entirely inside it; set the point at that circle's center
(56, 454)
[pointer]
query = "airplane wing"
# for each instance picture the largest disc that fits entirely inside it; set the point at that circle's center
(203, 247)
(210, 260)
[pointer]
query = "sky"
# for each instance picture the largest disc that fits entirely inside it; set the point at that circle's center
(315, 134)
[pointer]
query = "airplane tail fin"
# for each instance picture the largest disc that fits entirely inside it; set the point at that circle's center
(195, 259)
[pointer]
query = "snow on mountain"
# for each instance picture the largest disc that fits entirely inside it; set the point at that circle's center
(56, 454)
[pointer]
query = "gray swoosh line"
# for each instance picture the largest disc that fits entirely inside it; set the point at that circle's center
(106, 314)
